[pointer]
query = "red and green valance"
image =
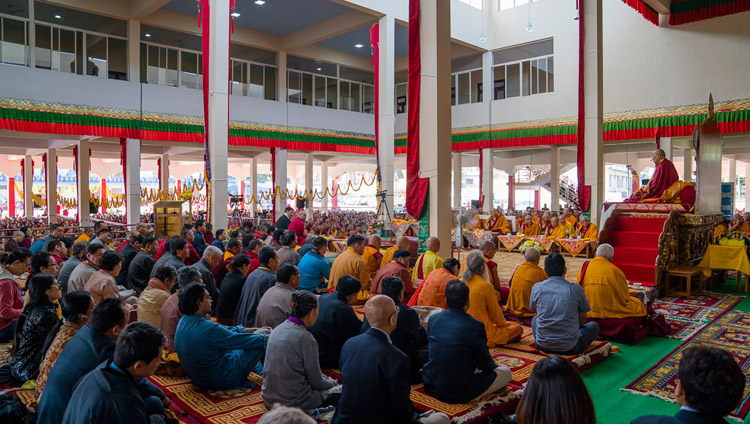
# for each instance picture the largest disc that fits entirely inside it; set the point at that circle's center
(685, 11)
(645, 10)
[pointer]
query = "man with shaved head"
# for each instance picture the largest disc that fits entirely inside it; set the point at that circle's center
(620, 315)
(375, 374)
(429, 260)
(402, 242)
(372, 255)
(586, 230)
(664, 176)
(489, 250)
(524, 277)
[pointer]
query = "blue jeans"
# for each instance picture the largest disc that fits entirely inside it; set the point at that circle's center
(589, 333)
(7, 333)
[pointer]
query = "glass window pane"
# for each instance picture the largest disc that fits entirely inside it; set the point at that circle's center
(320, 91)
(368, 105)
(13, 42)
(172, 67)
(332, 96)
(200, 71)
(526, 78)
(401, 98)
(96, 52)
(453, 90)
(270, 83)
(144, 58)
(534, 77)
(293, 87)
(514, 80)
(355, 94)
(476, 86)
(43, 47)
(256, 81)
(542, 65)
(344, 94)
(550, 75)
(117, 59)
(153, 65)
(499, 84)
(189, 70)
(307, 80)
(239, 75)
(63, 50)
(80, 62)
(463, 88)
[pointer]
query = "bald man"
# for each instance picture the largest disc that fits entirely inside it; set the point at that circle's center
(375, 373)
(402, 242)
(524, 277)
(664, 176)
(429, 260)
(567, 217)
(586, 230)
(372, 255)
(489, 250)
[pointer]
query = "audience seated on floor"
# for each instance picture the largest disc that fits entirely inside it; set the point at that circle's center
(211, 257)
(76, 310)
(374, 374)
(402, 242)
(287, 415)
(234, 247)
(78, 254)
(350, 262)
(409, 335)
(141, 265)
(307, 245)
(274, 307)
(157, 292)
(314, 269)
(432, 291)
(103, 285)
(128, 253)
(557, 229)
(560, 322)
(12, 265)
(59, 252)
(291, 373)
(278, 234)
(429, 260)
(109, 394)
(524, 278)
(287, 254)
(529, 228)
(189, 235)
(256, 285)
(555, 394)
(179, 251)
(398, 267)
(372, 255)
(215, 357)
(43, 263)
(483, 304)
(170, 312)
(85, 269)
(489, 249)
(231, 288)
(460, 368)
(91, 346)
(620, 315)
(336, 321)
(710, 385)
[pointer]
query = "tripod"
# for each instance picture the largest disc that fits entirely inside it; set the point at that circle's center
(383, 205)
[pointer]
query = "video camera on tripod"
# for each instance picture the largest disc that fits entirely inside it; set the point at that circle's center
(235, 201)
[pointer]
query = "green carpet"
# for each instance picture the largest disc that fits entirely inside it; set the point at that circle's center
(605, 380)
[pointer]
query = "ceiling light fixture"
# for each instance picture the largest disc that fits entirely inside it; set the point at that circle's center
(260, 2)
(359, 45)
(58, 17)
(319, 68)
(482, 38)
(529, 27)
(235, 14)
(147, 34)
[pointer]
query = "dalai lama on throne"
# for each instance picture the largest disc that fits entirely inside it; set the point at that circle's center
(665, 186)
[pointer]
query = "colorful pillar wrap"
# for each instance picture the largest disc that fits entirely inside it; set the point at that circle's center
(11, 197)
(416, 187)
(584, 191)
(104, 196)
(334, 194)
(179, 188)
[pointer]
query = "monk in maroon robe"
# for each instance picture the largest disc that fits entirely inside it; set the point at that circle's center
(664, 176)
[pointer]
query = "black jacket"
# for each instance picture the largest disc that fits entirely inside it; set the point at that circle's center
(283, 222)
(229, 297)
(128, 254)
(208, 281)
(336, 324)
(139, 271)
(682, 417)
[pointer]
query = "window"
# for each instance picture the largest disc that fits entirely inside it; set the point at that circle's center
(322, 89)
(401, 98)
(524, 70)
(473, 3)
(13, 41)
(509, 4)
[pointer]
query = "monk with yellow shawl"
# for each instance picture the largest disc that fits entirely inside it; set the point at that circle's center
(428, 261)
(372, 255)
(529, 228)
(402, 242)
(740, 224)
(556, 230)
(350, 262)
(720, 230)
(483, 304)
(432, 291)
(497, 223)
(488, 248)
(524, 277)
(586, 230)
(568, 217)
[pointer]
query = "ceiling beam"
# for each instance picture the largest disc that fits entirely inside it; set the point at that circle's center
(326, 29)
(142, 8)
(335, 56)
(114, 8)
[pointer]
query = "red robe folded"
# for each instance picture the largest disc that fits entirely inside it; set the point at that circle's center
(664, 176)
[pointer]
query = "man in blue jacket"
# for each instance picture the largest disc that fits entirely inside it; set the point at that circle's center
(314, 269)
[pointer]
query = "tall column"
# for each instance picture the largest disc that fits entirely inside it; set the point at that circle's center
(512, 192)
(747, 186)
(488, 188)
(594, 98)
(51, 175)
(32, 35)
(252, 192)
(687, 166)
(386, 117)
(133, 180)
(82, 179)
(323, 184)
(164, 173)
(309, 181)
(279, 181)
(281, 78)
(134, 51)
(28, 181)
(665, 143)
(554, 175)
(457, 178)
(218, 107)
(435, 114)
(732, 177)
(487, 83)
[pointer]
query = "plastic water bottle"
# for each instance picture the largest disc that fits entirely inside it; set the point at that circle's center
(318, 413)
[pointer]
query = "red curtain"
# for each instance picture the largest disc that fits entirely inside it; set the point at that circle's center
(46, 187)
(584, 192)
(11, 197)
(650, 14)
(416, 188)
(124, 163)
(686, 11)
(481, 179)
(273, 182)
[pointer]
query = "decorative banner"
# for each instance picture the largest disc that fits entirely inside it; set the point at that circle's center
(416, 187)
(650, 14)
(685, 11)
(584, 191)
(11, 197)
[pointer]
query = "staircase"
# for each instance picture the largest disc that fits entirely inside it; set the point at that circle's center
(636, 243)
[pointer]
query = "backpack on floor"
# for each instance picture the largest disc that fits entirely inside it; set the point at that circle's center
(12, 410)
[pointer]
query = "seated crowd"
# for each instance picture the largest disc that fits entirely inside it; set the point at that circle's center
(99, 319)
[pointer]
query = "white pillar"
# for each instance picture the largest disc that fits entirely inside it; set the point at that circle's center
(32, 35)
(666, 144)
(488, 188)
(554, 175)
(133, 180)
(82, 178)
(435, 114)
(386, 117)
(687, 165)
(218, 107)
(281, 78)
(28, 182)
(309, 181)
(253, 191)
(280, 182)
(457, 178)
(51, 175)
(323, 184)
(747, 186)
(732, 177)
(164, 173)
(594, 97)
(134, 51)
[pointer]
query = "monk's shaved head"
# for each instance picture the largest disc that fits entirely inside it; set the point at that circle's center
(606, 251)
(532, 255)
(487, 246)
(433, 244)
(375, 240)
(403, 242)
(379, 310)
(660, 152)
(583, 219)
(658, 156)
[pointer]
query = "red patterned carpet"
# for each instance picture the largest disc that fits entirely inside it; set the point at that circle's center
(688, 316)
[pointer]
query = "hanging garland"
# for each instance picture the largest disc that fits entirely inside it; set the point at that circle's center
(286, 194)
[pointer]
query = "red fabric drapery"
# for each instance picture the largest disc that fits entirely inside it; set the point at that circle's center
(645, 10)
(158, 170)
(124, 163)
(46, 186)
(104, 196)
(11, 197)
(205, 22)
(375, 59)
(584, 191)
(481, 179)
(273, 181)
(685, 11)
(416, 187)
(75, 169)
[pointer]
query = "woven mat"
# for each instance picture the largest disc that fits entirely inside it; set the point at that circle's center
(689, 316)
(730, 332)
